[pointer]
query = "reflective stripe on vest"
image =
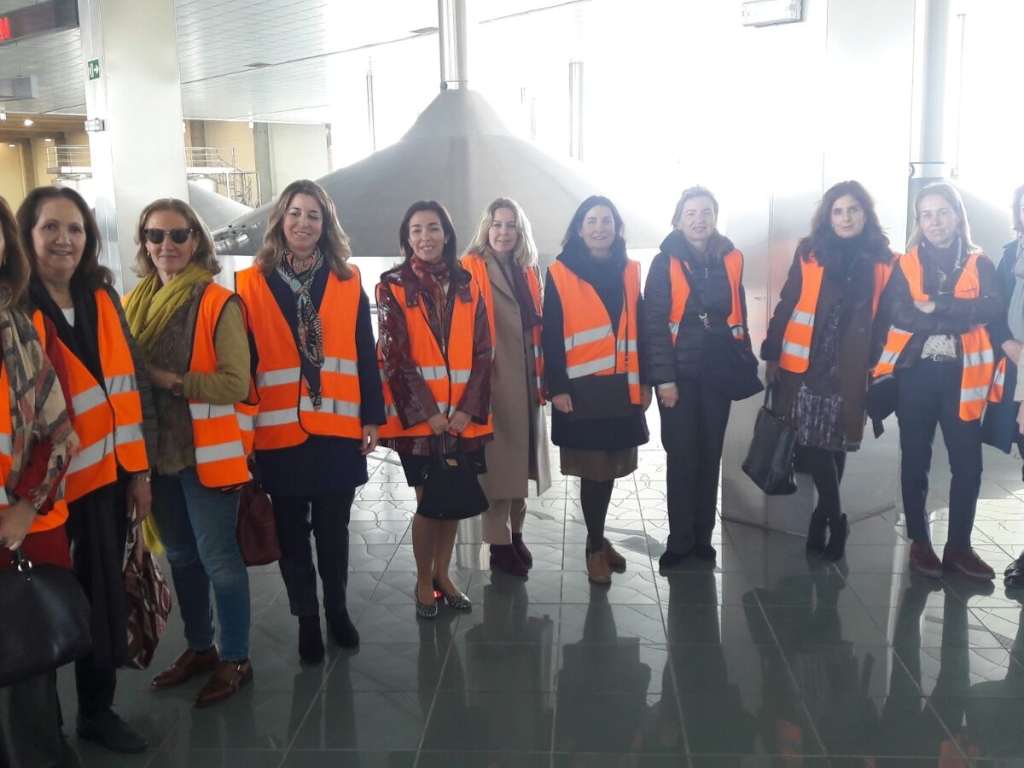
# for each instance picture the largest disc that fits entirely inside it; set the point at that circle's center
(57, 516)
(477, 267)
(446, 377)
(219, 432)
(977, 357)
(796, 340)
(107, 418)
(286, 414)
(590, 347)
(733, 262)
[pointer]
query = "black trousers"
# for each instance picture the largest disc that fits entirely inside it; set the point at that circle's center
(693, 432)
(29, 723)
(327, 517)
(929, 396)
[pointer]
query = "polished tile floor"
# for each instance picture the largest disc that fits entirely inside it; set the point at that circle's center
(767, 658)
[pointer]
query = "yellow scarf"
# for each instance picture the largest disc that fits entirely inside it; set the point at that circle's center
(152, 304)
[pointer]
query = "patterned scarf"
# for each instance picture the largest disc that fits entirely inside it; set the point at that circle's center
(38, 408)
(1015, 314)
(310, 329)
(434, 276)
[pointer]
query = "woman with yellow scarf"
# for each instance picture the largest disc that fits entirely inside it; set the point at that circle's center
(192, 335)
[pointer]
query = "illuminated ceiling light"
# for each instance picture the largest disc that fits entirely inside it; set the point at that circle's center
(13, 146)
(47, 139)
(29, 122)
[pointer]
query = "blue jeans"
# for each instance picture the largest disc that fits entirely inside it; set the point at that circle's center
(197, 527)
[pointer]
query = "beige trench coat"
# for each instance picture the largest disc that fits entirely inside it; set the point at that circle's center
(511, 460)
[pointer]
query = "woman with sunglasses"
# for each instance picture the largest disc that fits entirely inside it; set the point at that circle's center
(33, 466)
(320, 400)
(108, 481)
(192, 334)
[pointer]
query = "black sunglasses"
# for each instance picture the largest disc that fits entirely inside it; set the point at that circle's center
(156, 236)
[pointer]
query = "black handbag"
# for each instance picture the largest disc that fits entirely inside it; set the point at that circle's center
(46, 619)
(451, 490)
(729, 364)
(769, 461)
(600, 397)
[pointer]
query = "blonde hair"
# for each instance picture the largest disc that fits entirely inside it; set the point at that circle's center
(525, 252)
(951, 195)
(204, 254)
(333, 243)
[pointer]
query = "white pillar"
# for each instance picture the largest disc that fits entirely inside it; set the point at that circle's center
(139, 155)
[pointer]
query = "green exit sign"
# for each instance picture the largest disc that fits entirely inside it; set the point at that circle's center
(94, 69)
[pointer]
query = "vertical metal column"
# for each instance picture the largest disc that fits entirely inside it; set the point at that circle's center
(576, 109)
(370, 111)
(929, 150)
(452, 28)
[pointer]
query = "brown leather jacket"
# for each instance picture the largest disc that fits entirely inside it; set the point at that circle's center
(413, 398)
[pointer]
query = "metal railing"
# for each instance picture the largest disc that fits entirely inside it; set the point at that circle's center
(69, 160)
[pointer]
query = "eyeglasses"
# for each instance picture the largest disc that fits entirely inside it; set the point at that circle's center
(156, 236)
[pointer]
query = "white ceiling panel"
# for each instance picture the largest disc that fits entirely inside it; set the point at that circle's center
(309, 45)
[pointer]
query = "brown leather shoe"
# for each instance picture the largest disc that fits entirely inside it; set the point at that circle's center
(615, 560)
(185, 667)
(225, 681)
(924, 561)
(597, 568)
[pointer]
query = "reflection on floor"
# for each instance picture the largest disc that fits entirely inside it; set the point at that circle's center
(765, 659)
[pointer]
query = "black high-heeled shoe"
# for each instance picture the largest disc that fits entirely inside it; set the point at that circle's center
(838, 534)
(816, 533)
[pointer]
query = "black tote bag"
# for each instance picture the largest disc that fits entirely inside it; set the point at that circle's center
(46, 619)
(769, 461)
(451, 490)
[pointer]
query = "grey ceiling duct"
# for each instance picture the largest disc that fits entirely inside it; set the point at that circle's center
(458, 152)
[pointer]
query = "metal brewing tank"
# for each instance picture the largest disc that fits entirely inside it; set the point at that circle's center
(460, 153)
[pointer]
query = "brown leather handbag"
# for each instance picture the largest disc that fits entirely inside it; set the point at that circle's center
(147, 598)
(256, 527)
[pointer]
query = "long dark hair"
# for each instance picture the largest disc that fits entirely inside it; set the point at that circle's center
(448, 254)
(572, 239)
(90, 274)
(823, 237)
(14, 269)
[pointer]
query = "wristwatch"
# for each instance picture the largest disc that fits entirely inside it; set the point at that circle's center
(178, 387)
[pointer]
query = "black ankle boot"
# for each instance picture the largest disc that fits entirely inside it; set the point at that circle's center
(816, 532)
(839, 533)
(311, 642)
(343, 630)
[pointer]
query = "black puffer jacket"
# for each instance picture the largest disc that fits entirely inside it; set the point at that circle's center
(710, 284)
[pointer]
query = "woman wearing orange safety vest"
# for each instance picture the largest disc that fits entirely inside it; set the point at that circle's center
(503, 261)
(36, 443)
(693, 300)
(943, 293)
(320, 399)
(109, 478)
(592, 338)
(821, 341)
(192, 333)
(435, 352)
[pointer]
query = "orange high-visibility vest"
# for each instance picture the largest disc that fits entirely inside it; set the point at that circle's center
(59, 514)
(446, 372)
(977, 359)
(108, 416)
(286, 415)
(223, 435)
(796, 341)
(681, 292)
(590, 345)
(477, 266)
